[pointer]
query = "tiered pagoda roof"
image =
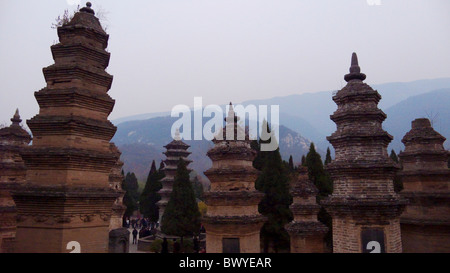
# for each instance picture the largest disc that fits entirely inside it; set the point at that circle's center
(232, 200)
(362, 172)
(70, 160)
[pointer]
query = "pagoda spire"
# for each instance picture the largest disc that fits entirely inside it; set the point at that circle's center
(355, 70)
(231, 114)
(177, 134)
(88, 8)
(16, 118)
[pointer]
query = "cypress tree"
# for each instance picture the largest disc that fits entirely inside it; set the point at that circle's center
(273, 181)
(182, 216)
(291, 164)
(393, 155)
(161, 170)
(303, 160)
(324, 184)
(198, 188)
(130, 199)
(328, 157)
(150, 195)
(259, 160)
(317, 173)
(398, 184)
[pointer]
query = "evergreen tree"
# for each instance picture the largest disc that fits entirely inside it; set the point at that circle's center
(291, 164)
(273, 181)
(182, 216)
(130, 199)
(259, 160)
(303, 160)
(150, 195)
(198, 188)
(161, 170)
(393, 155)
(328, 157)
(324, 184)
(398, 184)
(317, 173)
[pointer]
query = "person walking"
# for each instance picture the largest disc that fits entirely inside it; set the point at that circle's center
(165, 246)
(196, 245)
(135, 233)
(176, 246)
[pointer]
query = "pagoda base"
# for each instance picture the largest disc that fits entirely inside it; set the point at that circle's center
(360, 223)
(240, 234)
(307, 237)
(52, 219)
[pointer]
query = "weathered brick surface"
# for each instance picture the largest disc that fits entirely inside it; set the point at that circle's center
(426, 183)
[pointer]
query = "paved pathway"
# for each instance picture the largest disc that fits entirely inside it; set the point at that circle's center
(133, 247)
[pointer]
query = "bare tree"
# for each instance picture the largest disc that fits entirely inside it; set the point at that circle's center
(65, 18)
(432, 116)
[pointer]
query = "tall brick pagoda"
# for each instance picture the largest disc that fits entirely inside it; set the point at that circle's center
(67, 196)
(306, 232)
(175, 151)
(232, 221)
(364, 207)
(13, 139)
(425, 224)
(115, 182)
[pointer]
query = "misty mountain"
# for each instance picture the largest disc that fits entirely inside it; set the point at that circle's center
(309, 113)
(304, 118)
(433, 105)
(316, 108)
(142, 141)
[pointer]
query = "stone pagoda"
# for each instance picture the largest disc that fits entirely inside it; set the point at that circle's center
(425, 224)
(66, 203)
(115, 182)
(13, 139)
(306, 232)
(175, 151)
(232, 221)
(364, 207)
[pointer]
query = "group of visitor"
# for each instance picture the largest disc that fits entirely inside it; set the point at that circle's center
(139, 223)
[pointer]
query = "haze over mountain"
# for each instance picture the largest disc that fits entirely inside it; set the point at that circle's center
(143, 141)
(434, 105)
(309, 113)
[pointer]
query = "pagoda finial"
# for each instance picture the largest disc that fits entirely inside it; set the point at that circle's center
(355, 70)
(88, 8)
(231, 114)
(16, 118)
(177, 134)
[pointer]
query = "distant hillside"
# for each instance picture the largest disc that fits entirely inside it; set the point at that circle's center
(316, 108)
(305, 118)
(309, 113)
(434, 105)
(142, 141)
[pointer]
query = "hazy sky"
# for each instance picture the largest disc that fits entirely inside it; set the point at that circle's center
(166, 52)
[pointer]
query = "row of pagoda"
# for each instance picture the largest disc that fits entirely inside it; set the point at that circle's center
(66, 186)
